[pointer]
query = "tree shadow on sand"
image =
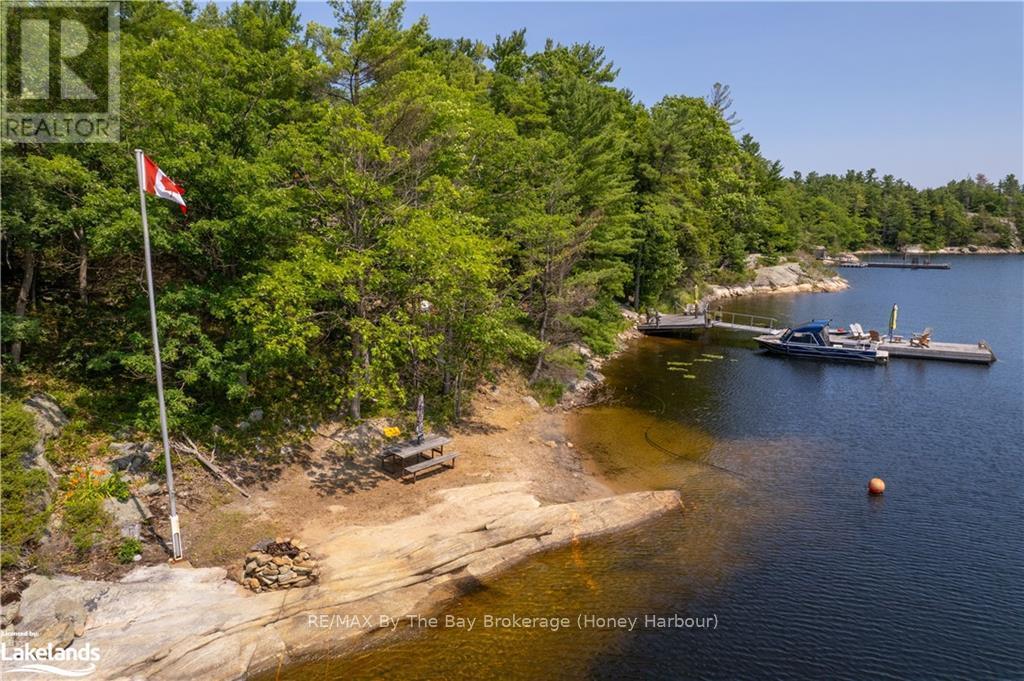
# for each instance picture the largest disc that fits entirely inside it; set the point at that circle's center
(339, 471)
(261, 471)
(475, 427)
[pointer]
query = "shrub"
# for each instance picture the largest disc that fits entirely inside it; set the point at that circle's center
(128, 549)
(84, 484)
(547, 391)
(76, 443)
(84, 517)
(726, 277)
(22, 489)
(567, 359)
(599, 326)
(116, 487)
(84, 520)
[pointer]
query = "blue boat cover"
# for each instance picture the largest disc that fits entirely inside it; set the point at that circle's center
(814, 326)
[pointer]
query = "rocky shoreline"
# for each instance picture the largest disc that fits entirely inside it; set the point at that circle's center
(163, 622)
(777, 279)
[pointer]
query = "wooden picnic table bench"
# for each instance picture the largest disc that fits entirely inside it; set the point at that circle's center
(417, 468)
(411, 450)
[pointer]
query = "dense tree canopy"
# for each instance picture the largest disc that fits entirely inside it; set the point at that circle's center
(376, 212)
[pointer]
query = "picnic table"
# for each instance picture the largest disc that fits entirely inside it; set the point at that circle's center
(406, 454)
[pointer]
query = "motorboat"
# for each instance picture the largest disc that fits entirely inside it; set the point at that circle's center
(811, 340)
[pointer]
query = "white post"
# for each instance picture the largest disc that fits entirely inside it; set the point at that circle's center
(140, 167)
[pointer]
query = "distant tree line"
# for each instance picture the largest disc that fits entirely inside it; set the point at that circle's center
(376, 212)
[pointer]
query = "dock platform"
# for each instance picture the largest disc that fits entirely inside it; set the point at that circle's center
(718, 319)
(890, 264)
(978, 353)
(909, 265)
(668, 324)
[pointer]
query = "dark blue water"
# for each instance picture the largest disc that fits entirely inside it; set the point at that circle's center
(807, 575)
(925, 582)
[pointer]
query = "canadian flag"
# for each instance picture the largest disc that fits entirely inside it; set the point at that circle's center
(158, 184)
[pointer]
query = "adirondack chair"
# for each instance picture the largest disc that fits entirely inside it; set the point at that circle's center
(923, 339)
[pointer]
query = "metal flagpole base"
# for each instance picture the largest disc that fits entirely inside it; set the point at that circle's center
(176, 538)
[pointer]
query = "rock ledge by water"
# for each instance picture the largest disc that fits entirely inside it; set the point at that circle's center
(174, 623)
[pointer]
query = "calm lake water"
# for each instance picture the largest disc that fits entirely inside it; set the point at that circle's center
(807, 576)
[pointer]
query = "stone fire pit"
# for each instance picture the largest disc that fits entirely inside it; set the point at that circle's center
(277, 564)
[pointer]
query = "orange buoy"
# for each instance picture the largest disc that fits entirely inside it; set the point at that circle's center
(876, 486)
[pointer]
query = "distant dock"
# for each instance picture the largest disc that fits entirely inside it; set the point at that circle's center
(670, 324)
(905, 264)
(909, 265)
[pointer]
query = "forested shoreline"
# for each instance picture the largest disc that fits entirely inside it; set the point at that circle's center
(376, 212)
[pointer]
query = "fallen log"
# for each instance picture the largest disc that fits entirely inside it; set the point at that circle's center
(192, 449)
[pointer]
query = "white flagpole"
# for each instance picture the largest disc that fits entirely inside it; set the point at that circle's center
(140, 167)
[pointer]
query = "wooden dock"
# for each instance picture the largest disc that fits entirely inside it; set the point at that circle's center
(717, 319)
(979, 353)
(890, 264)
(671, 323)
(910, 265)
(668, 324)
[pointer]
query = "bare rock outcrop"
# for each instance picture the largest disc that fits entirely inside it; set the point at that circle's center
(785, 278)
(173, 623)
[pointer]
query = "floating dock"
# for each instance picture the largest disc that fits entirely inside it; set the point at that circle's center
(890, 264)
(910, 265)
(979, 353)
(668, 324)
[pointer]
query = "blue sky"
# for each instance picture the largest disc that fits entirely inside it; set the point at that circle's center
(925, 91)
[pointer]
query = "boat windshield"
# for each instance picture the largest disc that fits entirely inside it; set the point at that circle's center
(803, 338)
(812, 333)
